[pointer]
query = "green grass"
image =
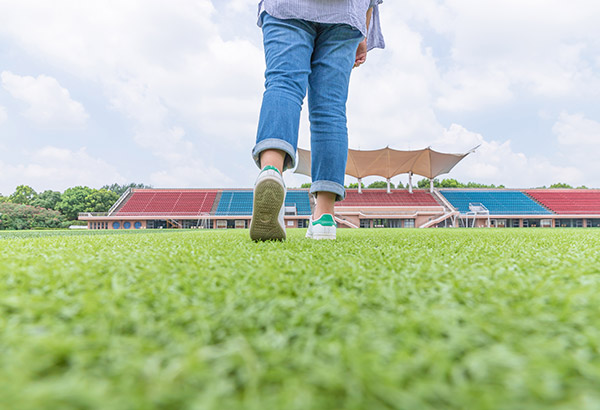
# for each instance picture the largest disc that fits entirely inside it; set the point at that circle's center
(379, 319)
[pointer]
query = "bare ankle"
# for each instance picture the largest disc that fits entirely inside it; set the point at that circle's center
(325, 204)
(272, 157)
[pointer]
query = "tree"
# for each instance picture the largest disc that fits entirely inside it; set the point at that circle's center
(19, 216)
(400, 185)
(560, 185)
(424, 183)
(306, 185)
(355, 185)
(380, 184)
(478, 185)
(451, 183)
(100, 200)
(47, 199)
(23, 194)
(120, 189)
(72, 201)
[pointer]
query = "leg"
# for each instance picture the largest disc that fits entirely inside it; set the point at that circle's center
(325, 204)
(332, 62)
(288, 49)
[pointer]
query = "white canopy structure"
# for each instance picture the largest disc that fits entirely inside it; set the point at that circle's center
(388, 163)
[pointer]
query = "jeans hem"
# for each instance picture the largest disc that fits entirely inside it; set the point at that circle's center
(329, 186)
(274, 143)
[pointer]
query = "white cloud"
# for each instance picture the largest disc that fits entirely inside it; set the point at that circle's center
(241, 5)
(465, 91)
(58, 168)
(512, 48)
(49, 104)
(165, 66)
(390, 96)
(579, 141)
(496, 162)
(190, 174)
(575, 129)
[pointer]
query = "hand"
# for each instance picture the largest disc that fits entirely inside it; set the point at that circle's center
(361, 53)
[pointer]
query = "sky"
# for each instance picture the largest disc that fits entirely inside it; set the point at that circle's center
(167, 93)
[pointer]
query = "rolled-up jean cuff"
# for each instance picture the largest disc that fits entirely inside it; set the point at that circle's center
(329, 186)
(274, 143)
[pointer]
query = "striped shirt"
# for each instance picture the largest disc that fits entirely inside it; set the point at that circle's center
(351, 12)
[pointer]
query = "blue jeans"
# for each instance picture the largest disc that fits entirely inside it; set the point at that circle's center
(303, 55)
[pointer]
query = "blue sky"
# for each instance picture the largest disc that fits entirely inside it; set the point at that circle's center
(168, 93)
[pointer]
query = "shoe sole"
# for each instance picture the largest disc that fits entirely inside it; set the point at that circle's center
(268, 200)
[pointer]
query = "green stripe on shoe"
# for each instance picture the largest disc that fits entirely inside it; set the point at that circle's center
(325, 220)
(270, 167)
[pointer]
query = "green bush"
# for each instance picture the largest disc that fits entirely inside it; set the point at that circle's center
(19, 216)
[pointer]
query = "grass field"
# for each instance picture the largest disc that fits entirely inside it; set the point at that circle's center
(379, 319)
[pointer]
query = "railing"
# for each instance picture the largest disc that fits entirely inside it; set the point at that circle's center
(120, 200)
(93, 213)
(442, 218)
(445, 202)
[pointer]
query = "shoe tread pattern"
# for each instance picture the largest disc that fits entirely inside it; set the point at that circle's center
(268, 199)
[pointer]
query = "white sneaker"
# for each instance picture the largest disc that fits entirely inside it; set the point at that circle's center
(322, 228)
(268, 206)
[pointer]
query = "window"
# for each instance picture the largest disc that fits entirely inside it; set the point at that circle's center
(409, 223)
(394, 223)
(384, 223)
(564, 223)
(365, 223)
(546, 223)
(532, 223)
(221, 224)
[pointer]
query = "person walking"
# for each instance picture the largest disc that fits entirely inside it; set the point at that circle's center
(310, 45)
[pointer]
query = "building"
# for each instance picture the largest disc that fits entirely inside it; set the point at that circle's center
(371, 208)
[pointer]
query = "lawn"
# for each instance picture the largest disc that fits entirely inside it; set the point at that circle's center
(379, 319)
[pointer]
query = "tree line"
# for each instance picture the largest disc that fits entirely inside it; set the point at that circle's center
(27, 209)
(445, 183)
